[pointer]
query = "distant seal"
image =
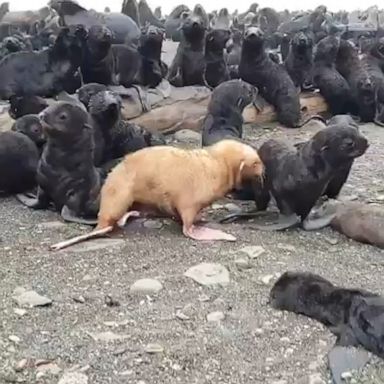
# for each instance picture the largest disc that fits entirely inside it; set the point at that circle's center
(19, 158)
(271, 79)
(188, 66)
(216, 69)
(44, 73)
(26, 105)
(30, 126)
(66, 175)
(147, 17)
(174, 22)
(124, 29)
(224, 117)
(234, 48)
(131, 9)
(332, 85)
(297, 176)
(299, 63)
(199, 12)
(362, 86)
(97, 64)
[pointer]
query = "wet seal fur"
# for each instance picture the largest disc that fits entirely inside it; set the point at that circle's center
(45, 73)
(219, 168)
(19, 158)
(224, 117)
(362, 86)
(216, 69)
(332, 85)
(188, 66)
(66, 175)
(299, 63)
(20, 106)
(272, 80)
(297, 176)
(355, 316)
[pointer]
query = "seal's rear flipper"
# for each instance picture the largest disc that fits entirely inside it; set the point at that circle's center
(231, 218)
(71, 217)
(283, 222)
(345, 359)
(33, 201)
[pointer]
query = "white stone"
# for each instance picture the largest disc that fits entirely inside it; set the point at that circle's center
(31, 299)
(108, 336)
(154, 348)
(215, 316)
(146, 287)
(208, 274)
(266, 279)
(187, 136)
(74, 378)
(253, 251)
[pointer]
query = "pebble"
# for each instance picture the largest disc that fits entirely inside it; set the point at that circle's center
(208, 274)
(108, 336)
(14, 339)
(332, 241)
(242, 263)
(266, 280)
(285, 340)
(232, 208)
(286, 247)
(74, 378)
(181, 316)
(49, 369)
(153, 224)
(380, 197)
(346, 375)
(259, 331)
(315, 379)
(280, 382)
(177, 367)
(96, 245)
(215, 316)
(187, 136)
(154, 348)
(51, 225)
(22, 364)
(30, 299)
(253, 251)
(216, 206)
(19, 312)
(146, 287)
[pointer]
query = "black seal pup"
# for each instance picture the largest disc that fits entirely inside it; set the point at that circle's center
(66, 173)
(332, 85)
(355, 316)
(30, 125)
(297, 176)
(147, 17)
(299, 62)
(46, 72)
(224, 117)
(97, 65)
(363, 89)
(19, 158)
(20, 106)
(188, 66)
(271, 79)
(216, 69)
(85, 93)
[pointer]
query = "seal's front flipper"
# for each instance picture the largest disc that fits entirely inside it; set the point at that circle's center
(38, 201)
(283, 222)
(241, 216)
(71, 217)
(343, 359)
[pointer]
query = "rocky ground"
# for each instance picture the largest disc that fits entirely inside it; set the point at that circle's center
(98, 325)
(84, 315)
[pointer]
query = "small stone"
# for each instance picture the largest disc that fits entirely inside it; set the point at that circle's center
(21, 365)
(74, 378)
(346, 375)
(51, 225)
(187, 136)
(232, 208)
(204, 298)
(129, 372)
(216, 206)
(286, 247)
(280, 382)
(111, 302)
(180, 315)
(266, 280)
(259, 331)
(331, 240)
(146, 287)
(154, 348)
(153, 224)
(14, 339)
(253, 251)
(49, 369)
(208, 274)
(242, 263)
(215, 316)
(285, 340)
(380, 197)
(32, 299)
(80, 300)
(108, 336)
(177, 367)
(316, 379)
(39, 375)
(19, 312)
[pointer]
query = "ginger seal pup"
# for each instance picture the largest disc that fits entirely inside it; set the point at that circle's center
(177, 182)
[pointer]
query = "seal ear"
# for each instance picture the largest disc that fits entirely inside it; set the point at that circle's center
(320, 142)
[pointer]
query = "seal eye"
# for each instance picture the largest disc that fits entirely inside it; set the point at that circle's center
(63, 116)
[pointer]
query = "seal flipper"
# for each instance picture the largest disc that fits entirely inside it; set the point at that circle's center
(345, 359)
(283, 222)
(231, 218)
(71, 217)
(30, 200)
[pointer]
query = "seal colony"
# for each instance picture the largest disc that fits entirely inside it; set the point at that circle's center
(78, 155)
